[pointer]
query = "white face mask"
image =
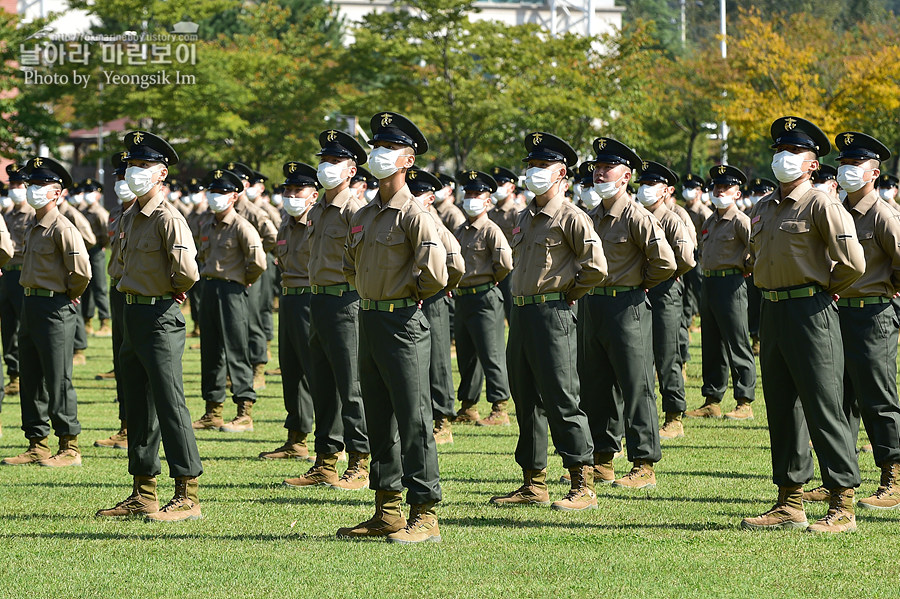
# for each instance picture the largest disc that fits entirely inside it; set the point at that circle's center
(823, 187)
(17, 195)
(331, 175)
(218, 202)
(173, 195)
(123, 192)
(648, 195)
(37, 196)
(722, 201)
(5, 202)
(252, 193)
(371, 194)
(383, 162)
(501, 194)
(788, 166)
(296, 206)
(539, 180)
(185, 199)
(473, 206)
(886, 194)
(197, 198)
(851, 177)
(141, 180)
(607, 189)
(91, 197)
(704, 197)
(277, 201)
(590, 198)
(754, 200)
(441, 194)
(689, 195)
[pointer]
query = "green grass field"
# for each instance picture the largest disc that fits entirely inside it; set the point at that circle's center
(259, 539)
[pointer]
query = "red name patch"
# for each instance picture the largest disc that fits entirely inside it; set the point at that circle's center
(204, 239)
(355, 230)
(517, 230)
(755, 220)
(704, 231)
(281, 242)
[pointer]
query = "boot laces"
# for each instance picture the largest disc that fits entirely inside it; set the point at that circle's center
(175, 504)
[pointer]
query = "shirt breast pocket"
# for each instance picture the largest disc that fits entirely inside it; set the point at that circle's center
(336, 232)
(551, 246)
(148, 245)
(392, 251)
(797, 238)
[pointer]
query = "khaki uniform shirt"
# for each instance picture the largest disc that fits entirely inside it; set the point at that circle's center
(449, 213)
(231, 249)
(292, 251)
(803, 239)
(18, 221)
(725, 241)
(6, 244)
(698, 213)
(878, 229)
(114, 268)
(55, 257)
(271, 211)
(505, 216)
(98, 219)
(329, 225)
(486, 252)
(687, 220)
(158, 255)
(260, 221)
(634, 243)
(678, 236)
(555, 248)
(456, 266)
(393, 250)
(81, 223)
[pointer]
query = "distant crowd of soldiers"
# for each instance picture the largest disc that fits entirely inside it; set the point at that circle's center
(378, 272)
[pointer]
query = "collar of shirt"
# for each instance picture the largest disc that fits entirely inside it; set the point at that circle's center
(399, 199)
(228, 218)
(340, 200)
(154, 202)
(478, 223)
(618, 207)
(865, 203)
(550, 209)
(48, 219)
(23, 208)
(659, 211)
(729, 213)
(798, 192)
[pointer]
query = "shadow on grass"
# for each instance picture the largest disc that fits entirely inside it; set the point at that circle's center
(114, 536)
(498, 522)
(339, 500)
(729, 474)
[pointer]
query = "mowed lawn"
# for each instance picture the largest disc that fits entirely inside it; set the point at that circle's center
(259, 539)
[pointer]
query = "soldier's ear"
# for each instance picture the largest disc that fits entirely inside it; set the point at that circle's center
(165, 173)
(352, 170)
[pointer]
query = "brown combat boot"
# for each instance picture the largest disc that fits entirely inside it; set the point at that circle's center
(673, 427)
(38, 450)
(581, 496)
(293, 449)
(78, 358)
(105, 376)
(275, 372)
(498, 416)
(443, 435)
(105, 330)
(422, 526)
(743, 411)
(212, 419)
(259, 377)
(185, 504)
(89, 327)
(68, 454)
(867, 448)
(754, 346)
(141, 501)
(710, 409)
(243, 422)
(641, 476)
(387, 519)
(820, 493)
(356, 476)
(840, 516)
(786, 513)
(467, 414)
(12, 387)
(604, 473)
(887, 497)
(195, 332)
(118, 440)
(532, 492)
(323, 472)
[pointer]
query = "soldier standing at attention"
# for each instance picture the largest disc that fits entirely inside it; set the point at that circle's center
(97, 294)
(558, 259)
(55, 273)
(868, 321)
(725, 259)
(198, 214)
(445, 204)
(232, 259)
(504, 214)
(395, 258)
(619, 396)
(292, 252)
(479, 303)
(159, 265)
(805, 251)
(758, 190)
(691, 192)
(75, 217)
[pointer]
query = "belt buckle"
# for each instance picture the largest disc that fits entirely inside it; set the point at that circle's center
(613, 292)
(28, 292)
(391, 307)
(774, 297)
(284, 291)
(364, 304)
(519, 300)
(862, 303)
(543, 299)
(314, 289)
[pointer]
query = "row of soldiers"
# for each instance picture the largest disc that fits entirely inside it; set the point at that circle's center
(364, 317)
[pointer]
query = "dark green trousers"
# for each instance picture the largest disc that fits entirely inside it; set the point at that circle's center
(266, 280)
(333, 376)
(690, 306)
(870, 376)
(96, 296)
(294, 358)
(754, 303)
(618, 391)
(480, 346)
(541, 356)
(726, 342)
(436, 310)
(802, 362)
(151, 353)
(194, 295)
(46, 334)
(667, 310)
(256, 333)
(80, 341)
(116, 310)
(11, 298)
(504, 286)
(394, 352)
(223, 345)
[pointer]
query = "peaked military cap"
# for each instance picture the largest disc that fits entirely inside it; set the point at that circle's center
(794, 131)
(146, 146)
(396, 128)
(342, 145)
(477, 181)
(195, 186)
(886, 181)
(175, 185)
(760, 185)
(546, 146)
(224, 180)
(692, 181)
(586, 173)
(655, 172)
(725, 174)
(119, 162)
(502, 175)
(47, 169)
(364, 175)
(241, 170)
(15, 173)
(826, 172)
(258, 177)
(612, 151)
(420, 181)
(445, 179)
(90, 185)
(859, 146)
(300, 175)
